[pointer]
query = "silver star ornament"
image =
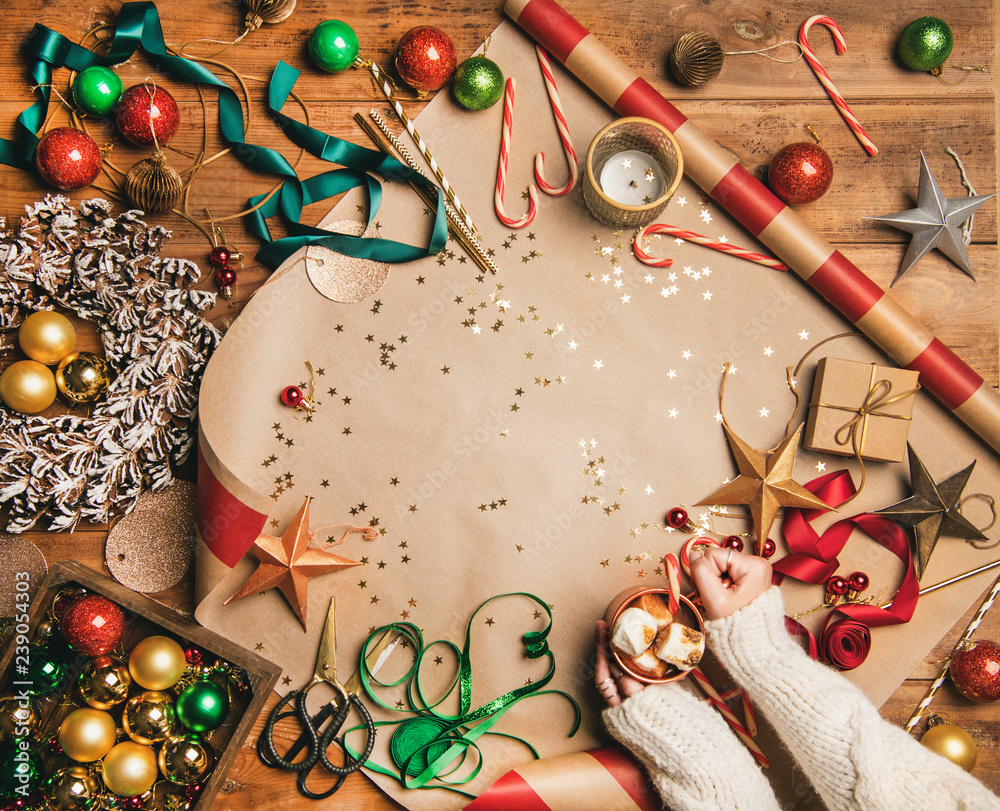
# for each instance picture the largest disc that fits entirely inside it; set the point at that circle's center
(935, 223)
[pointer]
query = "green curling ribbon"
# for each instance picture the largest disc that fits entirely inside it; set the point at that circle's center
(139, 27)
(430, 746)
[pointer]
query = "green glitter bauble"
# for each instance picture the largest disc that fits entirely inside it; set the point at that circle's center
(477, 83)
(333, 46)
(96, 90)
(203, 706)
(20, 767)
(925, 43)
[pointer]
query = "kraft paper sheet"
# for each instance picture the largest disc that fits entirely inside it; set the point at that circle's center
(529, 431)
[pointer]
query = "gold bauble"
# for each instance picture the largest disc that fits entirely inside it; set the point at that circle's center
(149, 717)
(28, 386)
(72, 789)
(104, 682)
(157, 662)
(82, 377)
(951, 742)
(185, 760)
(696, 59)
(18, 717)
(47, 337)
(129, 769)
(86, 734)
(153, 184)
(267, 11)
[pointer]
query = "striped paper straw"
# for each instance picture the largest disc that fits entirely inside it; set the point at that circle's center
(567, 143)
(824, 77)
(827, 271)
(508, 121)
(697, 239)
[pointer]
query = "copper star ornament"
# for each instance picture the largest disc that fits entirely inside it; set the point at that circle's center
(935, 223)
(765, 483)
(288, 562)
(933, 509)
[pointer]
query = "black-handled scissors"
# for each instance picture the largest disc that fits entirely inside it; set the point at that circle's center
(316, 739)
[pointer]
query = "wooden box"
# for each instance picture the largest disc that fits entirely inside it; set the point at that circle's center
(144, 618)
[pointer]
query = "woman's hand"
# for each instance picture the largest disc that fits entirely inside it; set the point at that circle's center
(728, 580)
(613, 685)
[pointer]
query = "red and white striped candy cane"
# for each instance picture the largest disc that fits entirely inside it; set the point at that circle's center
(697, 239)
(689, 546)
(741, 731)
(508, 117)
(562, 126)
(824, 77)
(673, 569)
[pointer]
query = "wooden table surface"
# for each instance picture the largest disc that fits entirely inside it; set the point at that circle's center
(754, 107)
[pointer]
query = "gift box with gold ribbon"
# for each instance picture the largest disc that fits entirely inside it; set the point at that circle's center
(860, 409)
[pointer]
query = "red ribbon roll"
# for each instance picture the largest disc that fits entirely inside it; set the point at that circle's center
(845, 643)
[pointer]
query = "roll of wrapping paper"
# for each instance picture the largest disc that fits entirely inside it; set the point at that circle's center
(715, 170)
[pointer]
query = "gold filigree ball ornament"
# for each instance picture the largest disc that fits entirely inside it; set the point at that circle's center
(28, 387)
(260, 12)
(185, 759)
(695, 59)
(153, 185)
(130, 769)
(82, 377)
(951, 742)
(18, 717)
(73, 789)
(46, 336)
(103, 683)
(86, 734)
(149, 718)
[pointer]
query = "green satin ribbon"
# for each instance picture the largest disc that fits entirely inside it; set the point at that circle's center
(429, 746)
(139, 27)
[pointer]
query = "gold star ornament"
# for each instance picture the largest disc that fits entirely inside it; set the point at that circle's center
(765, 483)
(288, 562)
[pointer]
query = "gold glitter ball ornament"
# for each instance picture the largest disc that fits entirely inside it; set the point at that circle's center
(82, 377)
(695, 59)
(149, 718)
(104, 681)
(267, 11)
(72, 789)
(184, 759)
(153, 185)
(46, 336)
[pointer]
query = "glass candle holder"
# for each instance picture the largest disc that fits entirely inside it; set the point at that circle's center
(634, 166)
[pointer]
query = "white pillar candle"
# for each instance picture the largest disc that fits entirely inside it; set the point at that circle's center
(632, 178)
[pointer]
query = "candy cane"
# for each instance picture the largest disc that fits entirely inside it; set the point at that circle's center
(689, 546)
(716, 701)
(673, 581)
(567, 143)
(508, 117)
(697, 239)
(824, 77)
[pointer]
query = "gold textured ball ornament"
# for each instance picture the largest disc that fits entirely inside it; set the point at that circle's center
(46, 336)
(695, 59)
(267, 11)
(82, 377)
(184, 759)
(129, 769)
(149, 717)
(18, 717)
(157, 662)
(153, 185)
(73, 789)
(951, 742)
(28, 386)
(86, 734)
(104, 681)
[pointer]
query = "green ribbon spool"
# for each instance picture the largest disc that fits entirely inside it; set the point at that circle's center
(139, 27)
(430, 746)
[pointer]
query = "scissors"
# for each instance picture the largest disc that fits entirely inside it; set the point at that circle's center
(314, 739)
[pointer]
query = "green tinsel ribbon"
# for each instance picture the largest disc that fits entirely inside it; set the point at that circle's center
(429, 746)
(139, 27)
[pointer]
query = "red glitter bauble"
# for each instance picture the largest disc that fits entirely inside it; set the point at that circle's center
(292, 396)
(143, 108)
(220, 256)
(425, 58)
(800, 173)
(93, 625)
(975, 671)
(68, 158)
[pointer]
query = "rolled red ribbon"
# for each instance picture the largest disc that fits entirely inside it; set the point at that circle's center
(845, 643)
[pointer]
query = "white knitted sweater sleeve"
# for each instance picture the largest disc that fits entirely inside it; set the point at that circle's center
(693, 759)
(853, 757)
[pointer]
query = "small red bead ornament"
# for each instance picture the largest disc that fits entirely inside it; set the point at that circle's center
(220, 256)
(734, 542)
(292, 396)
(226, 279)
(148, 115)
(677, 518)
(858, 581)
(93, 625)
(975, 671)
(837, 586)
(68, 158)
(768, 549)
(425, 58)
(800, 173)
